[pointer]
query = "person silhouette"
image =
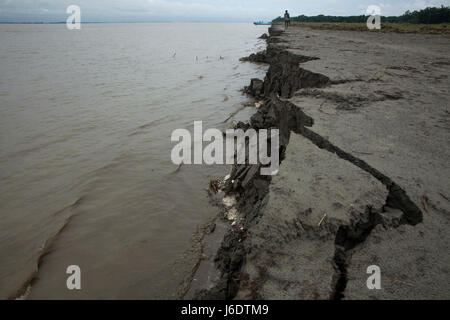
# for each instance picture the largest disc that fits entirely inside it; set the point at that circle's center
(287, 20)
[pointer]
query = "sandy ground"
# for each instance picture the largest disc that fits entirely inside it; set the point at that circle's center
(386, 104)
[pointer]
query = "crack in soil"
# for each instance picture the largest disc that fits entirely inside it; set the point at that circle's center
(283, 79)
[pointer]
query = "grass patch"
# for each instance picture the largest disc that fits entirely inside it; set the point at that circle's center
(385, 27)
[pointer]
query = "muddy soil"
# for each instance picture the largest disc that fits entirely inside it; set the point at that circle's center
(364, 179)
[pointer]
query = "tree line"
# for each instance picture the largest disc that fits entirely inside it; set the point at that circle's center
(426, 16)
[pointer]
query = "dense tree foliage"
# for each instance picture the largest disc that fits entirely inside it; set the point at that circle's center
(425, 16)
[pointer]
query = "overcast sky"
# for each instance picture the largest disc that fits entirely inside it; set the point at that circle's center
(197, 10)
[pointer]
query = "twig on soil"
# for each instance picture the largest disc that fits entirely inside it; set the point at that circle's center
(321, 220)
(342, 196)
(367, 153)
(424, 203)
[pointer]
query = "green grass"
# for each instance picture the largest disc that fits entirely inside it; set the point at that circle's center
(385, 27)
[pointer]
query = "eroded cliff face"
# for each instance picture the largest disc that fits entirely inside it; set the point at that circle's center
(296, 234)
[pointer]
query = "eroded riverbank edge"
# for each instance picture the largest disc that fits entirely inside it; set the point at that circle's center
(281, 246)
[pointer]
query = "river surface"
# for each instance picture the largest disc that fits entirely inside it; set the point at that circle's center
(86, 118)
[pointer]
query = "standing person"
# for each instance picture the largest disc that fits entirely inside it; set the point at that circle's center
(287, 20)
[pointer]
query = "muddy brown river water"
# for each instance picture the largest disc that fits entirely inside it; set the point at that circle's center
(86, 175)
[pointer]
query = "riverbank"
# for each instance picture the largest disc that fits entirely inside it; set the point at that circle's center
(364, 178)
